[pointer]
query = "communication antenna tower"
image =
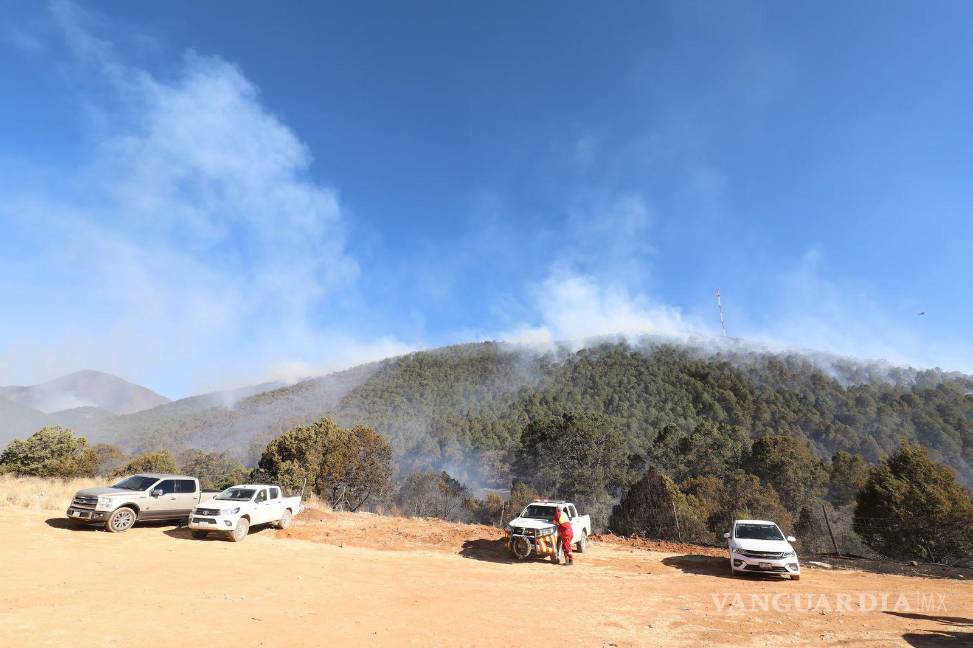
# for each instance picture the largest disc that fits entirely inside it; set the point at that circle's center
(719, 305)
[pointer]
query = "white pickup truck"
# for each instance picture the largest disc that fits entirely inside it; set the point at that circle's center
(236, 509)
(534, 532)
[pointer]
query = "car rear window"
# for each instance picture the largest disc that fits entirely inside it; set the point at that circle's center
(185, 486)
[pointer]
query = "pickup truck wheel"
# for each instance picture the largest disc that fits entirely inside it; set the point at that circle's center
(121, 520)
(241, 530)
(583, 542)
(520, 546)
(285, 520)
(199, 535)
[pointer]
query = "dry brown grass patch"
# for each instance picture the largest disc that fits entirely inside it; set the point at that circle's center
(42, 494)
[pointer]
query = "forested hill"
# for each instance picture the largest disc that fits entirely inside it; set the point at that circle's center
(442, 407)
(462, 408)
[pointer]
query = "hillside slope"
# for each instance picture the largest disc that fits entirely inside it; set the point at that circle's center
(834, 404)
(228, 420)
(462, 408)
(85, 389)
(17, 420)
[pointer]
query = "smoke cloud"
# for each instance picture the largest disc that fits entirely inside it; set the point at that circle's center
(194, 241)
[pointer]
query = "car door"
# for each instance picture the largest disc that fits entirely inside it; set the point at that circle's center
(261, 508)
(576, 526)
(162, 500)
(276, 504)
(186, 497)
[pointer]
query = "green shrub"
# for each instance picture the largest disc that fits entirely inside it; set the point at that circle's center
(791, 467)
(215, 470)
(157, 461)
(577, 456)
(849, 474)
(347, 468)
(912, 507)
(50, 452)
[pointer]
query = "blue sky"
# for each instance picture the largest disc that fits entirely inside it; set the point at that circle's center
(198, 195)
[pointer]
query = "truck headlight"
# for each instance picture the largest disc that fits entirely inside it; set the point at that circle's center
(104, 503)
(789, 554)
(231, 511)
(544, 532)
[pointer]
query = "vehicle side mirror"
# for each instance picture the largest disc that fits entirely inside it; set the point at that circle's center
(157, 492)
(791, 539)
(727, 535)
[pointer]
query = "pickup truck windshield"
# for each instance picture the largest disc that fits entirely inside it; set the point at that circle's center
(758, 532)
(136, 483)
(236, 494)
(535, 512)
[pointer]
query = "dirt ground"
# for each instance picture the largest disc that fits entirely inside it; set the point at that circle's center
(343, 579)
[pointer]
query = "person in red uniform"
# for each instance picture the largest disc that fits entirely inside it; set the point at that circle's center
(563, 524)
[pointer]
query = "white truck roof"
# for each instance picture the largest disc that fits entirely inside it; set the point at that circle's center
(767, 522)
(153, 475)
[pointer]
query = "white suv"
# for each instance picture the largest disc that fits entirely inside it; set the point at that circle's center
(759, 547)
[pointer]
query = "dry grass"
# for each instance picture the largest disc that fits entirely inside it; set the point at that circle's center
(43, 494)
(40, 494)
(312, 501)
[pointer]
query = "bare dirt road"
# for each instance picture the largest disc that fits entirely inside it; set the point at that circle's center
(335, 580)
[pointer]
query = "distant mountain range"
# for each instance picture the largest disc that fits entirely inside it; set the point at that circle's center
(84, 389)
(462, 408)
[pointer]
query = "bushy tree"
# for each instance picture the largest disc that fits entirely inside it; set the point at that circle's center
(430, 494)
(452, 495)
(717, 502)
(369, 469)
(488, 510)
(708, 498)
(654, 507)
(811, 531)
(849, 473)
(791, 467)
(50, 452)
(157, 461)
(664, 453)
(345, 467)
(580, 456)
(912, 507)
(747, 497)
(711, 449)
(215, 470)
(418, 496)
(110, 458)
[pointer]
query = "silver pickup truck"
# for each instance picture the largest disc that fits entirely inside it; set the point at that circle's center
(146, 496)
